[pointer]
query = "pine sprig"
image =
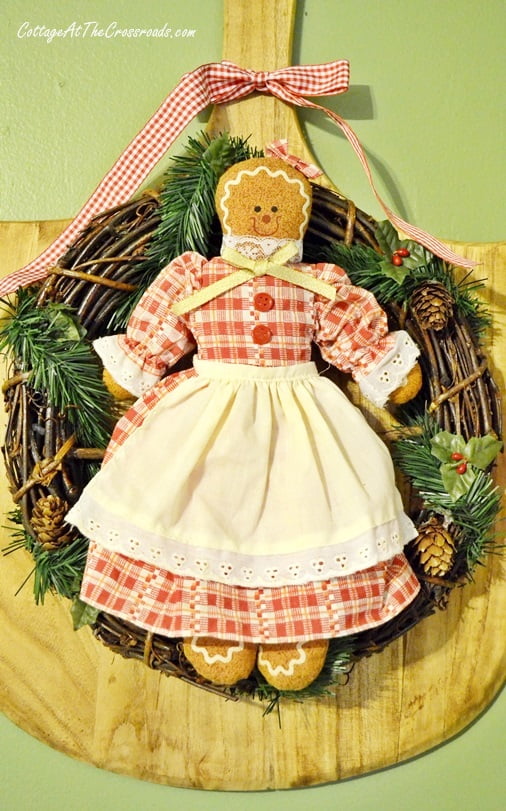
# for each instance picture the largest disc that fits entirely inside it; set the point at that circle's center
(48, 343)
(187, 195)
(473, 514)
(362, 265)
(58, 571)
(476, 516)
(20, 538)
(188, 219)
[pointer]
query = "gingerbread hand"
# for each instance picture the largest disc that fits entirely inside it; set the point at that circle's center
(409, 389)
(117, 391)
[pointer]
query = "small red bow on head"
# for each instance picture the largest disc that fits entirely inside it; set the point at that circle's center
(279, 149)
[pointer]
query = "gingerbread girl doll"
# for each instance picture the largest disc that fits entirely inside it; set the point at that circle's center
(245, 505)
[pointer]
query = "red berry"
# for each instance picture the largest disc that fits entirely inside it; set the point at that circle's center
(462, 467)
(457, 456)
(396, 260)
(403, 252)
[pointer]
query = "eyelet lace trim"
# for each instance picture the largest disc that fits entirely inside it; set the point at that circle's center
(113, 533)
(123, 369)
(391, 372)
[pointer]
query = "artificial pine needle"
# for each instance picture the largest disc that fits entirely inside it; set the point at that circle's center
(362, 264)
(187, 214)
(473, 514)
(48, 343)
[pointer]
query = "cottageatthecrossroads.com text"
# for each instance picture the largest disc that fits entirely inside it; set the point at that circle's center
(93, 30)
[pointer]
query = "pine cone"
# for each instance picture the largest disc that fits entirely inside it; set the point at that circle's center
(435, 548)
(432, 304)
(48, 522)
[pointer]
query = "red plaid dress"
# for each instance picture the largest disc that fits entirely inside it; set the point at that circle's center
(246, 498)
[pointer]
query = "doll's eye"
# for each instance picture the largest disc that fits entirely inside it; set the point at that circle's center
(257, 208)
(274, 209)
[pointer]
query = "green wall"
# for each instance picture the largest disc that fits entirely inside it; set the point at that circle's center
(426, 100)
(427, 103)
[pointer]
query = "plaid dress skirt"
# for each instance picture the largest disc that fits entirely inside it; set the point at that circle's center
(246, 503)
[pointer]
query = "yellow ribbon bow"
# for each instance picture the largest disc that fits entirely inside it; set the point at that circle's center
(248, 269)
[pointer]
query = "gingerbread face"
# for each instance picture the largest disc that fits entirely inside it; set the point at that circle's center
(264, 197)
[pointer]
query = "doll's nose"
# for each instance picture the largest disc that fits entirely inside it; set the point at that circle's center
(266, 218)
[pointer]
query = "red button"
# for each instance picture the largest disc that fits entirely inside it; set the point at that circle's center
(261, 334)
(263, 302)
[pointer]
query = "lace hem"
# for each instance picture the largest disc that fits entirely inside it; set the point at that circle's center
(224, 566)
(123, 369)
(391, 372)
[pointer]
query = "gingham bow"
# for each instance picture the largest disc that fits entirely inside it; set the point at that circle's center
(213, 83)
(279, 149)
(229, 82)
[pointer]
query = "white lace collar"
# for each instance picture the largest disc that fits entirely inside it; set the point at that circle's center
(259, 247)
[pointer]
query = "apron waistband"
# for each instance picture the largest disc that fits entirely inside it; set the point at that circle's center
(218, 370)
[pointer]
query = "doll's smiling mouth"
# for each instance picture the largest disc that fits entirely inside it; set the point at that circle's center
(265, 227)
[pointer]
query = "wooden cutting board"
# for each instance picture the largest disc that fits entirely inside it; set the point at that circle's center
(68, 690)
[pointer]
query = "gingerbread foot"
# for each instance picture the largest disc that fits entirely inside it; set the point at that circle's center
(219, 660)
(292, 666)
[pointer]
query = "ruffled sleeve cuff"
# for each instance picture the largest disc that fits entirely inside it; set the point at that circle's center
(391, 372)
(122, 368)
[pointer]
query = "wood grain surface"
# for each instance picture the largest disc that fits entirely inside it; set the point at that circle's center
(259, 36)
(66, 689)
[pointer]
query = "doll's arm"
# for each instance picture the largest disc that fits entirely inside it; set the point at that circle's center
(155, 338)
(353, 335)
(394, 377)
(409, 389)
(117, 391)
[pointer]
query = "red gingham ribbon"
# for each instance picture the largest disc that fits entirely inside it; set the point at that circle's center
(213, 83)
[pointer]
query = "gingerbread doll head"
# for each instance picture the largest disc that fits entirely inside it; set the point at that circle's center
(264, 198)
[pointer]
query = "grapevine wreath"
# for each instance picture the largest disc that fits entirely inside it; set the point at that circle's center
(60, 413)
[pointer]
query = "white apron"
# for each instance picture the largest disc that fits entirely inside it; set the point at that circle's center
(251, 476)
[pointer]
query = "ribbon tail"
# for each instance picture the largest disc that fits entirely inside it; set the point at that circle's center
(20, 278)
(187, 99)
(417, 234)
(210, 292)
(301, 279)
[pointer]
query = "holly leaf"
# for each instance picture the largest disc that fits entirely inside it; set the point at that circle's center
(65, 327)
(444, 444)
(392, 271)
(417, 255)
(481, 451)
(456, 484)
(82, 614)
(387, 236)
(389, 242)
